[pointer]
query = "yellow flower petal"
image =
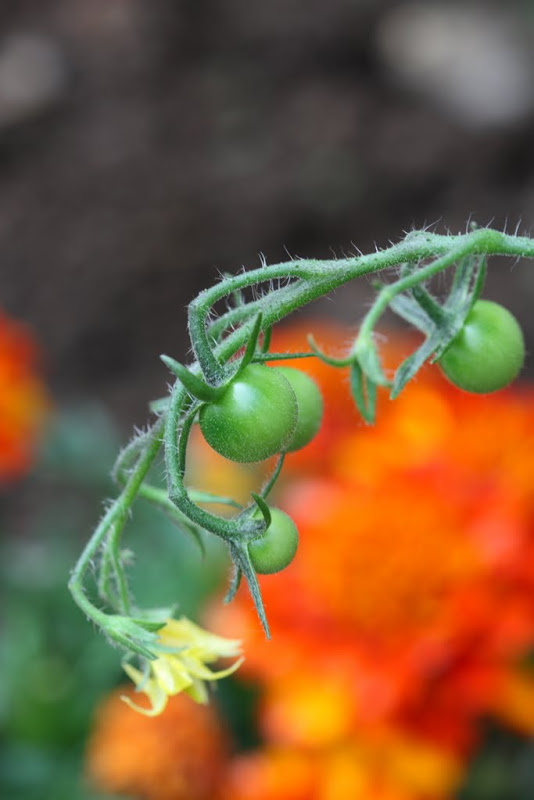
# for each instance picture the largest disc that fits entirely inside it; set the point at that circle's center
(157, 697)
(184, 668)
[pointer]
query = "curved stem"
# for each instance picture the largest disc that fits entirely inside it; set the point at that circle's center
(313, 280)
(175, 454)
(113, 520)
(274, 477)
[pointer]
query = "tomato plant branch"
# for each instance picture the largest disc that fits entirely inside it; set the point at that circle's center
(276, 291)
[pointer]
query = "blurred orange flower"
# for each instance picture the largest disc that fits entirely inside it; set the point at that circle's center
(23, 399)
(408, 607)
(403, 619)
(179, 755)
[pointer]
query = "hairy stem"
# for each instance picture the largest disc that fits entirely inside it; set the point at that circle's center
(113, 521)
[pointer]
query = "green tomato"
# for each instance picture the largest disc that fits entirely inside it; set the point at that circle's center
(310, 406)
(489, 351)
(255, 417)
(277, 545)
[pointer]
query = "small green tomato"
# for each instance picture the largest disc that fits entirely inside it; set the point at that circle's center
(488, 352)
(255, 417)
(310, 407)
(276, 547)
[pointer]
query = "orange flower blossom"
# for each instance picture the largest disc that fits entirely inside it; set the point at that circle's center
(402, 619)
(410, 603)
(179, 755)
(23, 399)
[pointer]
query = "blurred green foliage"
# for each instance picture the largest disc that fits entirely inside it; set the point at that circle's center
(54, 667)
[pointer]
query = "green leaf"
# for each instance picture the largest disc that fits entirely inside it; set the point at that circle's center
(194, 385)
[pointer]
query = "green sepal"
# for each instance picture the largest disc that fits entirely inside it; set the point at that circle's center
(367, 356)
(363, 391)
(234, 584)
(130, 634)
(480, 279)
(468, 273)
(439, 323)
(159, 615)
(266, 341)
(429, 305)
(151, 627)
(411, 365)
(241, 559)
(409, 310)
(263, 507)
(252, 343)
(194, 385)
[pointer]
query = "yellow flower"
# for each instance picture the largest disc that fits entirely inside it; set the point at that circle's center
(184, 649)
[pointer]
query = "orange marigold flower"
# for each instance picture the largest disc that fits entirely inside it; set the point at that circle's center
(23, 399)
(382, 766)
(179, 755)
(412, 594)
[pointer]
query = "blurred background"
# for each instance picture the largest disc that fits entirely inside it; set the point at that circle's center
(146, 145)
(144, 148)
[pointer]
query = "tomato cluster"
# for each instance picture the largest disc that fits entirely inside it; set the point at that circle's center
(488, 352)
(268, 410)
(265, 411)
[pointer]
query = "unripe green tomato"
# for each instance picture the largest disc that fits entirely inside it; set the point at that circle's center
(255, 417)
(276, 547)
(310, 407)
(488, 352)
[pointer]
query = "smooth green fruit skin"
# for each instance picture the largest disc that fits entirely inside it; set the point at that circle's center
(255, 417)
(489, 351)
(275, 549)
(310, 406)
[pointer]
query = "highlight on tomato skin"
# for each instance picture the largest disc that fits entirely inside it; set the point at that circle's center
(488, 352)
(254, 419)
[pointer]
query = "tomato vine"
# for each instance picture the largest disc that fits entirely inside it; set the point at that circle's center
(224, 349)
